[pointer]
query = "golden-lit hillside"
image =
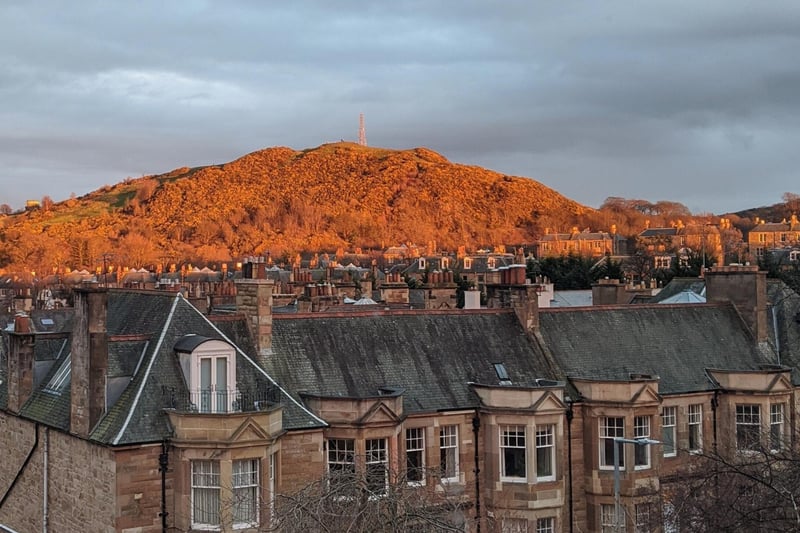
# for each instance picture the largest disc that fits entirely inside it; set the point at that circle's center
(283, 201)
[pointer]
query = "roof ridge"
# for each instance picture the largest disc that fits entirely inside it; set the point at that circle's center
(147, 371)
(258, 367)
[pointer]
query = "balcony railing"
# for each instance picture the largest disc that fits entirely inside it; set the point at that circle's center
(221, 401)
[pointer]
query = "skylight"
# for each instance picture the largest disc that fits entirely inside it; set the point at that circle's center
(60, 380)
(502, 373)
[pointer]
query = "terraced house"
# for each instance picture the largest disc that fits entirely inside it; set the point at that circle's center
(139, 413)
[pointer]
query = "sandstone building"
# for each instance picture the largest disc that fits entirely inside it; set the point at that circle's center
(139, 413)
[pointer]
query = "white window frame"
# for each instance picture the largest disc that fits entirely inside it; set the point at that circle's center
(422, 264)
(777, 425)
(467, 263)
(643, 517)
(546, 525)
(669, 420)
(694, 422)
(376, 461)
(513, 443)
(607, 519)
(514, 525)
(341, 455)
(246, 485)
(607, 434)
(415, 444)
(748, 418)
(641, 453)
(205, 484)
(273, 465)
(491, 262)
(448, 444)
(546, 445)
(192, 363)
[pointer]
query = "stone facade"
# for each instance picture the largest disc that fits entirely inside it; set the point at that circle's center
(79, 482)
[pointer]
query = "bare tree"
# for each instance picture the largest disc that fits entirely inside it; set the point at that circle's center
(757, 489)
(347, 502)
(792, 201)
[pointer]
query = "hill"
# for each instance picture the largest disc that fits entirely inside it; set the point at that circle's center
(283, 201)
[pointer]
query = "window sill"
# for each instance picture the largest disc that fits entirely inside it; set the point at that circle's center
(513, 480)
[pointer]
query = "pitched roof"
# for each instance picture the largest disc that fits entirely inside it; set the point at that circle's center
(679, 285)
(430, 355)
(144, 328)
(674, 342)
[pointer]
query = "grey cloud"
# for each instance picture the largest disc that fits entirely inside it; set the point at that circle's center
(675, 100)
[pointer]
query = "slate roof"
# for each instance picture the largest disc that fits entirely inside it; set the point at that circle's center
(144, 328)
(677, 286)
(786, 341)
(674, 342)
(430, 355)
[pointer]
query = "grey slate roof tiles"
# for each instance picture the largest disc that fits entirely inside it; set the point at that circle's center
(674, 342)
(431, 356)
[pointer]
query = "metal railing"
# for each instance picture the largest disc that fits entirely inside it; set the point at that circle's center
(221, 401)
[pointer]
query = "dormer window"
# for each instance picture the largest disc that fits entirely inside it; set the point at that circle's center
(422, 263)
(492, 262)
(445, 262)
(467, 263)
(209, 367)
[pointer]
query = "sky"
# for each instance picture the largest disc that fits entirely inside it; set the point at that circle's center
(685, 101)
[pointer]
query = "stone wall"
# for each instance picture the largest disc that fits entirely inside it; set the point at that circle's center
(302, 460)
(139, 489)
(81, 480)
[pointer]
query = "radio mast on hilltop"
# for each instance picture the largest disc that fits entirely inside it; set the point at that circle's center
(362, 132)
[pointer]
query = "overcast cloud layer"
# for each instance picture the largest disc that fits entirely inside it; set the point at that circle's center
(695, 102)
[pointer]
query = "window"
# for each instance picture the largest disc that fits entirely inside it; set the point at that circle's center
(61, 379)
(341, 462)
(545, 453)
(377, 473)
(607, 519)
(663, 261)
(210, 371)
(448, 452)
(546, 525)
(422, 263)
(695, 416)
(643, 524)
(610, 427)
(514, 525)
(491, 262)
(641, 454)
(467, 263)
(512, 453)
(213, 384)
(415, 455)
(245, 493)
(445, 262)
(762, 237)
(776, 435)
(748, 430)
(668, 420)
(205, 495)
(273, 464)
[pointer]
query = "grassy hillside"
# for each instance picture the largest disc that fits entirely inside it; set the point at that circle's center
(284, 201)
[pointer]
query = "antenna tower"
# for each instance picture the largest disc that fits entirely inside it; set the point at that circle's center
(362, 131)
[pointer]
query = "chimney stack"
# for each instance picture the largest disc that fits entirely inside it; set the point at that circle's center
(89, 360)
(254, 300)
(746, 288)
(20, 363)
